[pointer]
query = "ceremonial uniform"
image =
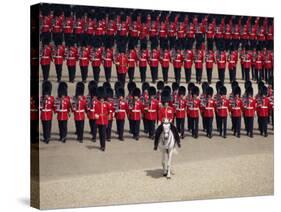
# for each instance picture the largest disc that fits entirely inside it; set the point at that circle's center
(209, 59)
(177, 63)
(62, 109)
(107, 64)
(84, 57)
(153, 62)
(46, 109)
(221, 62)
(46, 60)
(122, 67)
(180, 110)
(208, 107)
(96, 63)
(121, 108)
(221, 106)
(132, 60)
(110, 104)
(235, 108)
(57, 29)
(142, 63)
(193, 110)
(78, 107)
(165, 63)
(249, 107)
(68, 29)
(58, 59)
(247, 61)
(198, 60)
(71, 58)
(187, 64)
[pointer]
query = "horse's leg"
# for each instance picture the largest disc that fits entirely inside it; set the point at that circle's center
(169, 163)
(164, 162)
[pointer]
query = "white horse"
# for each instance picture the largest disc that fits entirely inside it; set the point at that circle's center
(167, 137)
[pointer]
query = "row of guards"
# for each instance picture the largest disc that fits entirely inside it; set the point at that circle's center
(103, 104)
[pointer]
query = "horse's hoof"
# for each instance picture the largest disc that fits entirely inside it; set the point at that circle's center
(168, 178)
(165, 175)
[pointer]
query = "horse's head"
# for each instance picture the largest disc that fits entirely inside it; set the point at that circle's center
(166, 129)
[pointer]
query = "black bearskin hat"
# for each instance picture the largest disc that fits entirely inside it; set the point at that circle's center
(182, 90)
(152, 91)
(101, 92)
(145, 86)
(109, 92)
(106, 85)
(209, 91)
(204, 86)
(234, 84)
(175, 86)
(264, 91)
(136, 92)
(167, 88)
(223, 90)
(190, 86)
(160, 85)
(219, 84)
(195, 91)
(46, 88)
(260, 85)
(131, 86)
(120, 92)
(62, 89)
(91, 85)
(237, 91)
(117, 85)
(165, 96)
(249, 91)
(248, 84)
(79, 89)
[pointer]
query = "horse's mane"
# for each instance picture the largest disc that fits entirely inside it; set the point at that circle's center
(159, 130)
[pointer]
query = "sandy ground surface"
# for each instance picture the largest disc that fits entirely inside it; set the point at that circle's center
(80, 175)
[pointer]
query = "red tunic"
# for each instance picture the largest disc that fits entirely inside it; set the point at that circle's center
(121, 109)
(208, 108)
(135, 110)
(154, 58)
(132, 58)
(78, 107)
(263, 106)
(193, 108)
(178, 60)
(166, 113)
(222, 105)
(46, 108)
(210, 59)
(68, 26)
(108, 59)
(122, 63)
(46, 55)
(101, 112)
(188, 58)
(57, 26)
(165, 59)
(62, 108)
(143, 58)
(151, 110)
(235, 107)
(71, 56)
(84, 57)
(59, 55)
(249, 107)
(181, 108)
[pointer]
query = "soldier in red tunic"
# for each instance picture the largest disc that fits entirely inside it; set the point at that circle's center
(187, 64)
(122, 67)
(71, 59)
(193, 111)
(263, 108)
(247, 61)
(207, 108)
(101, 115)
(198, 60)
(163, 31)
(107, 63)
(68, 26)
(79, 107)
(134, 113)
(143, 31)
(235, 108)
(153, 62)
(177, 63)
(142, 63)
(180, 110)
(221, 106)
(62, 109)
(232, 62)
(57, 27)
(249, 107)
(84, 58)
(91, 100)
(221, 62)
(209, 61)
(110, 102)
(121, 108)
(46, 108)
(96, 58)
(165, 59)
(46, 60)
(150, 111)
(132, 59)
(58, 58)
(144, 98)
(165, 112)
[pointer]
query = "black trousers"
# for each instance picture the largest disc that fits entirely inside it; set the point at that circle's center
(232, 74)
(154, 73)
(63, 129)
(93, 128)
(163, 43)
(143, 43)
(222, 125)
(154, 42)
(135, 127)
(249, 124)
(108, 130)
(80, 130)
(67, 38)
(180, 125)
(46, 70)
(102, 134)
(150, 127)
(165, 74)
(258, 75)
(198, 75)
(247, 74)
(177, 74)
(107, 71)
(209, 125)
(209, 75)
(143, 74)
(71, 73)
(187, 74)
(145, 126)
(84, 72)
(172, 41)
(221, 74)
(242, 72)
(58, 71)
(96, 73)
(194, 126)
(121, 78)
(253, 71)
(263, 121)
(131, 73)
(47, 127)
(236, 125)
(120, 127)
(57, 37)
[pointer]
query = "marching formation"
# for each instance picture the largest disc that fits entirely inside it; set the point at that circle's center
(141, 40)
(151, 106)
(127, 38)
